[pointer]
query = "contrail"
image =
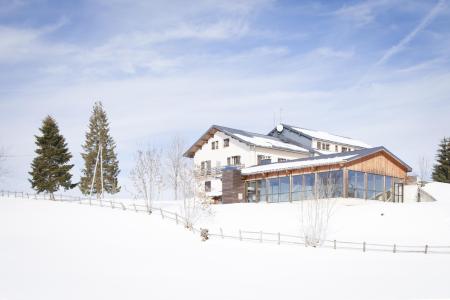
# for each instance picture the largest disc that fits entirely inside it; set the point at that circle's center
(423, 23)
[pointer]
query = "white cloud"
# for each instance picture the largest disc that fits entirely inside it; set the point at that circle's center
(362, 13)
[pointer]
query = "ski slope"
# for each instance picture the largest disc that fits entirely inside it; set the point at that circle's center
(55, 250)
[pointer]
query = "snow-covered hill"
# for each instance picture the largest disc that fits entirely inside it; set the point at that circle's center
(54, 250)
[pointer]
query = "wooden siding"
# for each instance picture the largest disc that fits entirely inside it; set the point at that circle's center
(379, 163)
(232, 186)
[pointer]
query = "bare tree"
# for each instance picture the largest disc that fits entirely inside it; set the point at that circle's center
(424, 170)
(175, 163)
(195, 201)
(146, 174)
(316, 213)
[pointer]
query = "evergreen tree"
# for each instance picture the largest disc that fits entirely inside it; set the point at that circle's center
(441, 171)
(98, 135)
(50, 168)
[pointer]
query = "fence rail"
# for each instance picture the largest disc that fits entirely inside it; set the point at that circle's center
(240, 235)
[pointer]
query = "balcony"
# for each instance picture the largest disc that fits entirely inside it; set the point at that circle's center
(214, 172)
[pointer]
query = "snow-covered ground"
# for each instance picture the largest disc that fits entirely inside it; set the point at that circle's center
(55, 250)
(354, 220)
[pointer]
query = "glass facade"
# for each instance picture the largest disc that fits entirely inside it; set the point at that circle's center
(329, 185)
(356, 185)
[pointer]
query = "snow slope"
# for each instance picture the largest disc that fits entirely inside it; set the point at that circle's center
(53, 250)
(355, 220)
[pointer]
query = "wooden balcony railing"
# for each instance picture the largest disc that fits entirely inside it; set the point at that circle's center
(215, 171)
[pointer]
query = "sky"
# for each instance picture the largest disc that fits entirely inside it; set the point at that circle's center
(377, 71)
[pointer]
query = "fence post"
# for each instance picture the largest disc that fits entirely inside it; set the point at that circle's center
(240, 235)
(162, 215)
(334, 244)
(176, 218)
(110, 201)
(426, 249)
(260, 236)
(279, 238)
(364, 246)
(395, 248)
(79, 199)
(135, 208)
(221, 232)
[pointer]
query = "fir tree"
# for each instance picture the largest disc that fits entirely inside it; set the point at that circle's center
(98, 135)
(441, 171)
(50, 168)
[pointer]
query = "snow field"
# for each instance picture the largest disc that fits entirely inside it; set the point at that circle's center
(54, 250)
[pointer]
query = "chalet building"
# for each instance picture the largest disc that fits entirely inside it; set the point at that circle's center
(292, 163)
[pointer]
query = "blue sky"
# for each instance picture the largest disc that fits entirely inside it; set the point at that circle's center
(374, 70)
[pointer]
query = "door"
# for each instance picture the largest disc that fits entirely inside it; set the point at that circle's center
(398, 192)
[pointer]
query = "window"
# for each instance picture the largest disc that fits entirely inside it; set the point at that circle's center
(281, 159)
(389, 191)
(284, 189)
(226, 143)
(261, 190)
(278, 189)
(215, 145)
(234, 160)
(207, 186)
(309, 180)
(375, 186)
(264, 160)
(251, 191)
(205, 166)
(274, 185)
(327, 147)
(336, 148)
(297, 188)
(344, 149)
(319, 145)
(330, 184)
(356, 186)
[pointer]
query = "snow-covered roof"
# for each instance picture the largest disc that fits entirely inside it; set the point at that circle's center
(326, 136)
(250, 138)
(296, 164)
(269, 142)
(321, 160)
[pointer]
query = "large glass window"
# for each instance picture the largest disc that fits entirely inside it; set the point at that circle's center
(274, 186)
(389, 186)
(297, 188)
(375, 186)
(284, 189)
(330, 184)
(309, 186)
(356, 186)
(261, 191)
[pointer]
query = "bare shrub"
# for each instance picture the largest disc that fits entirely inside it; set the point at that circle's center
(316, 213)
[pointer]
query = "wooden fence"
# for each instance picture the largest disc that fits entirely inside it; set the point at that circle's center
(240, 235)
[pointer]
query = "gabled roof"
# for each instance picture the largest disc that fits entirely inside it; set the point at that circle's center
(326, 136)
(249, 138)
(322, 160)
